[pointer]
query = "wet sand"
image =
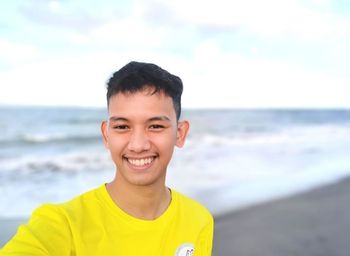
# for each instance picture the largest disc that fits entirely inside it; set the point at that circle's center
(8, 228)
(312, 223)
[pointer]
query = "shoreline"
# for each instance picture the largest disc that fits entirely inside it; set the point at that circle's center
(315, 222)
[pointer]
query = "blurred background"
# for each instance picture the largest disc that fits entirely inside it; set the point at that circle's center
(265, 90)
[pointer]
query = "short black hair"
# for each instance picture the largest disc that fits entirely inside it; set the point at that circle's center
(136, 76)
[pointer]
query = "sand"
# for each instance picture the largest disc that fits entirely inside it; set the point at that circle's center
(8, 228)
(314, 223)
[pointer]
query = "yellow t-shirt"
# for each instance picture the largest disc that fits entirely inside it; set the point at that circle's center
(92, 224)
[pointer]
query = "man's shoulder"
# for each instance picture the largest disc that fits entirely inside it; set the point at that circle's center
(87, 199)
(192, 208)
(75, 204)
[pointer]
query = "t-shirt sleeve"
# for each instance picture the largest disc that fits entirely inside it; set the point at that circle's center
(205, 240)
(46, 233)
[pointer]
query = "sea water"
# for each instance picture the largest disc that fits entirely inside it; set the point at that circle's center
(232, 158)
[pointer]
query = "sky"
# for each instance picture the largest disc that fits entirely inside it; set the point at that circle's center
(229, 53)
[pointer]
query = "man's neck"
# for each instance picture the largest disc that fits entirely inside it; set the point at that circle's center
(142, 202)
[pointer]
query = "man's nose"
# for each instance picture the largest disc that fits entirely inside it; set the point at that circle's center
(139, 141)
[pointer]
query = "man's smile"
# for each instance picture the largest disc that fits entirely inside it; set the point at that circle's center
(140, 162)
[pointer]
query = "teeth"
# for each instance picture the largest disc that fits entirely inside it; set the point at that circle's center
(140, 162)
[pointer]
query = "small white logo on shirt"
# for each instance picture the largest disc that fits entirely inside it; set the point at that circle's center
(185, 250)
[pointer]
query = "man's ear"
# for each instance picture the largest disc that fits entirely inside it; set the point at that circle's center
(104, 132)
(182, 131)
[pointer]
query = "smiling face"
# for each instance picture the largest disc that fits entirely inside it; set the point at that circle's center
(140, 134)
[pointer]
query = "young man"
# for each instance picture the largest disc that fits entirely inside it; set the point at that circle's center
(135, 214)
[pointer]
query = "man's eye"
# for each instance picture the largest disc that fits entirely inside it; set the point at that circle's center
(156, 127)
(120, 127)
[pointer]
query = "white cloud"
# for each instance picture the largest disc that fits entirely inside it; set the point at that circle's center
(55, 6)
(78, 38)
(65, 81)
(128, 32)
(74, 81)
(324, 4)
(13, 53)
(213, 77)
(229, 80)
(270, 18)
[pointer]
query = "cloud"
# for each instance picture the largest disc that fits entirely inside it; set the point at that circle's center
(57, 15)
(67, 80)
(192, 39)
(220, 79)
(157, 13)
(55, 6)
(311, 20)
(212, 79)
(64, 81)
(12, 53)
(295, 19)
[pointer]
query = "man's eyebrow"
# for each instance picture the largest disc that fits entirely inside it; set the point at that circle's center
(118, 118)
(155, 118)
(159, 118)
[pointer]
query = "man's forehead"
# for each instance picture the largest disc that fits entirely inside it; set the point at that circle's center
(140, 98)
(145, 91)
(141, 105)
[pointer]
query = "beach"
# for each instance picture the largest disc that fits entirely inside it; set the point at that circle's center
(312, 223)
(8, 228)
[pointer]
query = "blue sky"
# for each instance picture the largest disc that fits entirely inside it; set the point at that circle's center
(248, 53)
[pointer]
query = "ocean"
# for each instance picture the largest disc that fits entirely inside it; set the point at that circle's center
(232, 158)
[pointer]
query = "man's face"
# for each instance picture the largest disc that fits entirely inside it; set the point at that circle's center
(140, 134)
